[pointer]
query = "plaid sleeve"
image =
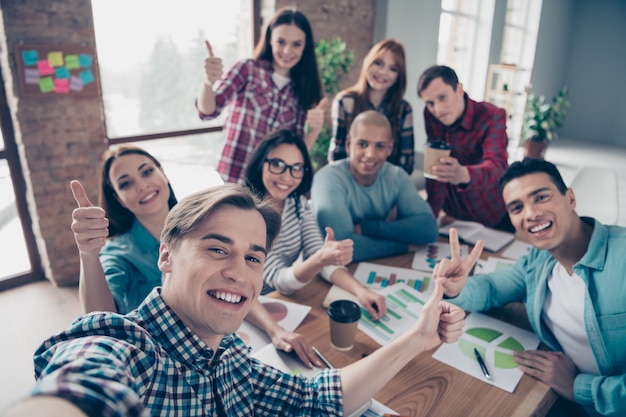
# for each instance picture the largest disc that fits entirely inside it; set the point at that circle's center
(95, 373)
(232, 82)
(337, 148)
(406, 139)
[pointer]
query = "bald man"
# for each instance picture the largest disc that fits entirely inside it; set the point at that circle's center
(367, 199)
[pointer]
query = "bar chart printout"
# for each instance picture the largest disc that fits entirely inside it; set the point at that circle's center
(403, 307)
(382, 276)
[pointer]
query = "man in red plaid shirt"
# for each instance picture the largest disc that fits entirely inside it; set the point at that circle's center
(467, 181)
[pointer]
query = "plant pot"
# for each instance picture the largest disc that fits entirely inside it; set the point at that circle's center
(535, 148)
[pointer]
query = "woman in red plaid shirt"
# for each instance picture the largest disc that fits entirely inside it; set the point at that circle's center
(279, 88)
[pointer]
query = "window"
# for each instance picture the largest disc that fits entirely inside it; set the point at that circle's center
(17, 240)
(520, 32)
(464, 30)
(151, 59)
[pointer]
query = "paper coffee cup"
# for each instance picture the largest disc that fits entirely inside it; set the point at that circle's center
(344, 318)
(432, 154)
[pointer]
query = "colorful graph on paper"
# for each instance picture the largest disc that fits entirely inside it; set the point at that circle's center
(427, 256)
(496, 341)
(403, 307)
(382, 276)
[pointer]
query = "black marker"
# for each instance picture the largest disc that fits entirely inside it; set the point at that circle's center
(481, 362)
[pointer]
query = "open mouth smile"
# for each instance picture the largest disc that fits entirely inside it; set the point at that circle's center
(541, 227)
(149, 197)
(227, 297)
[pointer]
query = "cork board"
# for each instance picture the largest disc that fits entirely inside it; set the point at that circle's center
(57, 70)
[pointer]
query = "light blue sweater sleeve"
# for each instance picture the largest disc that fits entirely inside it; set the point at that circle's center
(340, 202)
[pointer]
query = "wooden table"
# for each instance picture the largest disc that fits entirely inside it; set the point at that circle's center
(427, 387)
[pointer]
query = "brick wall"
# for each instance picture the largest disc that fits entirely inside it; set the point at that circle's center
(59, 137)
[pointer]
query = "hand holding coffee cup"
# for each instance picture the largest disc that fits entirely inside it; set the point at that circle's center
(432, 154)
(344, 319)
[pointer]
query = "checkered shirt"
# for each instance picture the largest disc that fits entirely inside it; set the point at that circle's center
(479, 142)
(148, 363)
(256, 107)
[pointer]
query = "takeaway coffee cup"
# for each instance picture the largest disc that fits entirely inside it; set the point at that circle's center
(433, 152)
(344, 319)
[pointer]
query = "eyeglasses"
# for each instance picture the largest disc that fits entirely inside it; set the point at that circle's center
(278, 166)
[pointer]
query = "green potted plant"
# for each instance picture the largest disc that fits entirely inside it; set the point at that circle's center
(333, 61)
(541, 120)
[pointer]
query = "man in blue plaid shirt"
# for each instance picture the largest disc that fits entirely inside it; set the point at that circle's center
(177, 353)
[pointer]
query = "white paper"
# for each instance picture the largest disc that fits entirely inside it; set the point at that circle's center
(516, 250)
(288, 315)
(381, 276)
(378, 409)
(284, 362)
(403, 307)
(496, 341)
(472, 232)
(492, 264)
(427, 256)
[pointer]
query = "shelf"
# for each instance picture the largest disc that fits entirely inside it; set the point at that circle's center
(506, 88)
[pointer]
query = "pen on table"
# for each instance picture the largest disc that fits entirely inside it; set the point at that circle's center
(481, 362)
(322, 358)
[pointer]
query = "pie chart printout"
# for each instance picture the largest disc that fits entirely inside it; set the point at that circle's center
(496, 342)
(277, 310)
(502, 351)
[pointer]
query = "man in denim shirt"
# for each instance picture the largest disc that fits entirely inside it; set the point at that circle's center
(571, 282)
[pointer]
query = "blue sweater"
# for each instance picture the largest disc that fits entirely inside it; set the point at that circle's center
(340, 202)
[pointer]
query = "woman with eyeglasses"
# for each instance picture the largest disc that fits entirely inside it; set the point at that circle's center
(118, 242)
(280, 169)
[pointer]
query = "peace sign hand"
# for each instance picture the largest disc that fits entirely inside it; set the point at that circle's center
(212, 66)
(453, 272)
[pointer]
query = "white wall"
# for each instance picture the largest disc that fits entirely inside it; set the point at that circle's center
(581, 44)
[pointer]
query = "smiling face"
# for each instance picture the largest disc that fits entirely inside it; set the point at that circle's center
(215, 273)
(287, 43)
(444, 102)
(279, 186)
(139, 185)
(368, 146)
(383, 73)
(540, 213)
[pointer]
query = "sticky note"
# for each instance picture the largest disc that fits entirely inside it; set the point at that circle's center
(87, 77)
(46, 84)
(30, 57)
(62, 72)
(85, 60)
(44, 67)
(76, 84)
(31, 76)
(71, 62)
(55, 59)
(61, 85)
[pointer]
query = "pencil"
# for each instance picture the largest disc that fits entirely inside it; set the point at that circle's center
(322, 358)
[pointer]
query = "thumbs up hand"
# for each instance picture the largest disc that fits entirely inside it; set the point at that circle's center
(315, 116)
(212, 66)
(89, 224)
(336, 252)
